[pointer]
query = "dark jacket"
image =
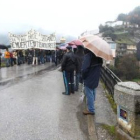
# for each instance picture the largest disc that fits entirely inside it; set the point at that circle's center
(35, 53)
(91, 70)
(69, 62)
(80, 58)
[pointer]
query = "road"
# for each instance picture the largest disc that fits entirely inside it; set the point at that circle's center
(35, 109)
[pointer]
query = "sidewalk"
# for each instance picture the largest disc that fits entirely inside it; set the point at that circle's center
(104, 115)
(8, 74)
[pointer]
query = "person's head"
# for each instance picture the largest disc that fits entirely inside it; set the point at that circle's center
(69, 48)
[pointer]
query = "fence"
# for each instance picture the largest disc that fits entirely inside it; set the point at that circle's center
(109, 79)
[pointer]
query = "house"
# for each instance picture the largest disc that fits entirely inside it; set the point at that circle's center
(62, 40)
(113, 48)
(123, 48)
(114, 23)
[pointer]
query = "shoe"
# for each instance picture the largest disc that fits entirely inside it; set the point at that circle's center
(86, 112)
(65, 93)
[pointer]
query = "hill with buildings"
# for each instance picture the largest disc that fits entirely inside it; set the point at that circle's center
(125, 29)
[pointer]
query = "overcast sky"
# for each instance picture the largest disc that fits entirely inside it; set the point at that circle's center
(70, 17)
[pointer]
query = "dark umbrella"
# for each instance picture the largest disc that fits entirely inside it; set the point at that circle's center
(3, 47)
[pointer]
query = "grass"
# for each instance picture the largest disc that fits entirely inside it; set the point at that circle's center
(111, 129)
(3, 65)
(136, 80)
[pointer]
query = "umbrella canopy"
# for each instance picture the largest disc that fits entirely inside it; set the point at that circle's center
(64, 47)
(75, 42)
(98, 46)
(3, 47)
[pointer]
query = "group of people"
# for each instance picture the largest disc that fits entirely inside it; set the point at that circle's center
(32, 56)
(86, 67)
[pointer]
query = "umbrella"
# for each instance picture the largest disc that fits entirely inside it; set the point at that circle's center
(3, 47)
(75, 42)
(98, 46)
(64, 47)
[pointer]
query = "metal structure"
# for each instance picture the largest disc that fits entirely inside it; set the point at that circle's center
(109, 79)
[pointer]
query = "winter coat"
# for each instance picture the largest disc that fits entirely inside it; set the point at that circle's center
(69, 62)
(7, 54)
(35, 53)
(80, 58)
(91, 70)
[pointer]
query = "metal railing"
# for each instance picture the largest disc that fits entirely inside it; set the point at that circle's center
(109, 79)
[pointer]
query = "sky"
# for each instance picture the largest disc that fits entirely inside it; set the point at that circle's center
(69, 17)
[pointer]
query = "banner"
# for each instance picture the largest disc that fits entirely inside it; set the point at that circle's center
(33, 39)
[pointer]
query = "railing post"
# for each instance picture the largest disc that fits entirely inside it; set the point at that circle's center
(127, 98)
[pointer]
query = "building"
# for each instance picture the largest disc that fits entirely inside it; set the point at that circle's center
(62, 40)
(114, 23)
(113, 48)
(123, 48)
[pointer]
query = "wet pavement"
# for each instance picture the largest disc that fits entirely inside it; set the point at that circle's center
(104, 115)
(35, 109)
(8, 73)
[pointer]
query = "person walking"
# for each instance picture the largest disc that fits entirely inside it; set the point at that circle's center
(69, 64)
(7, 57)
(91, 72)
(80, 57)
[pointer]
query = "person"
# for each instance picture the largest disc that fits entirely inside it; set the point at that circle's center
(91, 72)
(80, 57)
(0, 59)
(35, 56)
(11, 58)
(69, 64)
(7, 57)
(14, 56)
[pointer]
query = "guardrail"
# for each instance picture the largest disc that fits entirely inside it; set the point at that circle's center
(109, 79)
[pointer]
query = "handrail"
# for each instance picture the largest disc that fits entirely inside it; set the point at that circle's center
(109, 79)
(118, 80)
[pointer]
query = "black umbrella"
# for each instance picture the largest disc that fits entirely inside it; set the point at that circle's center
(3, 47)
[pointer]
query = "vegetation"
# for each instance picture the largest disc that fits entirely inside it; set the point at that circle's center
(122, 34)
(3, 65)
(133, 17)
(138, 51)
(111, 100)
(126, 67)
(111, 129)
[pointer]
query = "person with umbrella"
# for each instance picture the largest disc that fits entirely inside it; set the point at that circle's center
(96, 49)
(91, 72)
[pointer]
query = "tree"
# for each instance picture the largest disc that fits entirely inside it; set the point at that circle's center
(101, 28)
(122, 17)
(138, 51)
(127, 67)
(134, 16)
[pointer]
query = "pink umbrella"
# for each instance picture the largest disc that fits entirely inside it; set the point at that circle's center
(64, 47)
(75, 42)
(98, 46)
